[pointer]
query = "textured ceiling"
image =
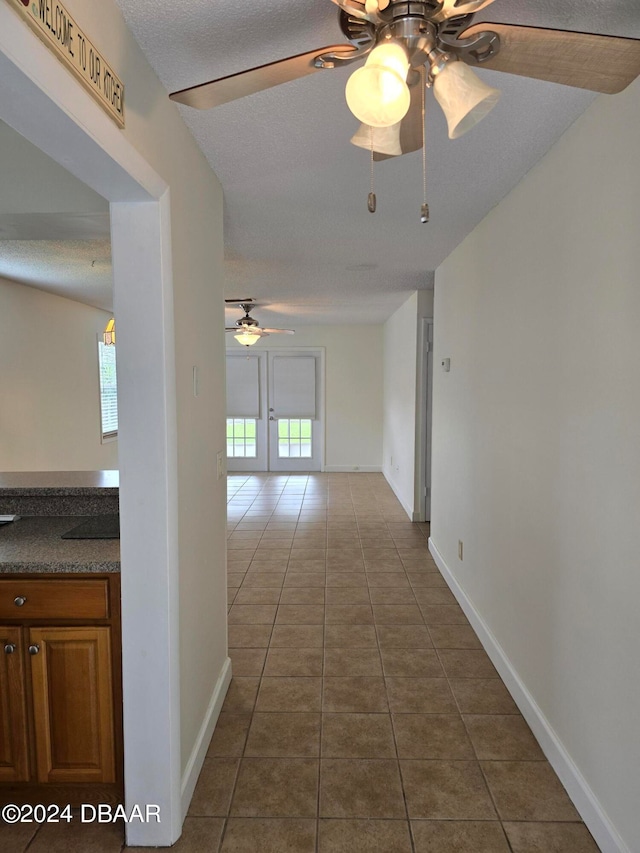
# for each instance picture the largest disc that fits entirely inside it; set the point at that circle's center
(297, 232)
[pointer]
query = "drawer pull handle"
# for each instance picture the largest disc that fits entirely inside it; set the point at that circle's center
(20, 600)
(34, 649)
(10, 648)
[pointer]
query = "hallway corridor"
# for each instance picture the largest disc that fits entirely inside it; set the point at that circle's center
(363, 716)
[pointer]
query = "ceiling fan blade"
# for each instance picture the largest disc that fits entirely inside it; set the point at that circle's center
(226, 89)
(411, 128)
(278, 331)
(599, 63)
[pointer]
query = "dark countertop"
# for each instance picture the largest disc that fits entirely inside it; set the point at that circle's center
(51, 483)
(33, 544)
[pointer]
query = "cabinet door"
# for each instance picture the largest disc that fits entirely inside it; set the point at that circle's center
(14, 748)
(73, 704)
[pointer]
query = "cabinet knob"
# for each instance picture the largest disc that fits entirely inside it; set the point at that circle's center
(10, 648)
(34, 649)
(20, 600)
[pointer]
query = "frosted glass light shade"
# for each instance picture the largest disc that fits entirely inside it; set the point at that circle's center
(464, 98)
(247, 338)
(377, 93)
(386, 140)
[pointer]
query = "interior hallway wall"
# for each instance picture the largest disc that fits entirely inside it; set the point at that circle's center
(400, 377)
(49, 383)
(536, 462)
(353, 390)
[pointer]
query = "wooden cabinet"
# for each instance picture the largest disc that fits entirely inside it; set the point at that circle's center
(60, 689)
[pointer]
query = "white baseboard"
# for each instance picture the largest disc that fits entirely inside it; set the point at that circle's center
(584, 799)
(352, 469)
(196, 759)
(405, 506)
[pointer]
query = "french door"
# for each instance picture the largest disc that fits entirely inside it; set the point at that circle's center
(274, 410)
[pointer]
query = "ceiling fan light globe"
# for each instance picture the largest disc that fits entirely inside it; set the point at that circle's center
(464, 98)
(384, 140)
(247, 337)
(377, 94)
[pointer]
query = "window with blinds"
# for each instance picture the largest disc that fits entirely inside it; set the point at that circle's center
(108, 391)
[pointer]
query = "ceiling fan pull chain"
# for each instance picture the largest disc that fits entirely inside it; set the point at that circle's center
(371, 200)
(424, 210)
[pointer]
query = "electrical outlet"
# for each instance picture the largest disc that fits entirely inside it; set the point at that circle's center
(460, 549)
(219, 464)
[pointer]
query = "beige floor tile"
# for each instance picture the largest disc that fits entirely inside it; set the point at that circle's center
(241, 696)
(249, 636)
(297, 636)
(454, 637)
(503, 738)
(432, 736)
(350, 636)
(528, 790)
(349, 614)
(388, 579)
(252, 614)
(229, 736)
(294, 695)
(303, 595)
(397, 614)
(441, 614)
(352, 661)
(454, 836)
(463, 663)
(346, 579)
(305, 579)
(284, 735)
(64, 837)
(348, 595)
(482, 696)
(363, 836)
(276, 787)
(286, 661)
(300, 566)
(446, 790)
(403, 636)
(420, 696)
(258, 595)
(550, 838)
(263, 579)
(199, 835)
(264, 835)
(214, 788)
(357, 736)
(392, 595)
(354, 695)
(411, 663)
(300, 614)
(360, 789)
(433, 595)
(269, 561)
(15, 837)
(247, 661)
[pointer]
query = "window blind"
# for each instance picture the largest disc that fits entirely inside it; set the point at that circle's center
(294, 386)
(108, 390)
(243, 386)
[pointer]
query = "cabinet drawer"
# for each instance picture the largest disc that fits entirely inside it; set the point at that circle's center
(54, 599)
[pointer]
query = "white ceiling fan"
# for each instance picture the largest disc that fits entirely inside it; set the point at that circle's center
(409, 43)
(247, 331)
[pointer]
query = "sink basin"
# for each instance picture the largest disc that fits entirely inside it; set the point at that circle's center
(95, 527)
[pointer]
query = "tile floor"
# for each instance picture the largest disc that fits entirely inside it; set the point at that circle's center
(364, 715)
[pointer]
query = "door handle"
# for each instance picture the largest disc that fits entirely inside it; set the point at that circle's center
(10, 648)
(34, 649)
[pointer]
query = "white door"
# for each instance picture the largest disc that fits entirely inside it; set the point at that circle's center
(296, 435)
(274, 410)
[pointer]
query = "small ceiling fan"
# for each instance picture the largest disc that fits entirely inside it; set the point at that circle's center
(433, 42)
(247, 330)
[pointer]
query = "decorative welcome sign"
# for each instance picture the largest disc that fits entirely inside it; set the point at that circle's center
(59, 31)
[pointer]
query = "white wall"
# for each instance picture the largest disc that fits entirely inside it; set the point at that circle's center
(49, 383)
(353, 390)
(536, 462)
(400, 372)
